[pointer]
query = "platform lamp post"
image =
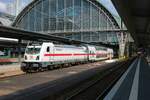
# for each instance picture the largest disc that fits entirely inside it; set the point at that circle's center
(19, 51)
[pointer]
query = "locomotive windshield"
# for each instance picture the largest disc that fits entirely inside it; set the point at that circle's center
(33, 50)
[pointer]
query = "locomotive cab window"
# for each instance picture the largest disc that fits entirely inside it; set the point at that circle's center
(33, 50)
(48, 49)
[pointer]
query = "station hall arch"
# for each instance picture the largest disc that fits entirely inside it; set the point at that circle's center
(75, 19)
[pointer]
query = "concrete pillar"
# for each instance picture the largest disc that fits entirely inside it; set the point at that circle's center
(122, 38)
(128, 51)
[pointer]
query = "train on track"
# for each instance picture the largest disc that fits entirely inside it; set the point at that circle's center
(47, 55)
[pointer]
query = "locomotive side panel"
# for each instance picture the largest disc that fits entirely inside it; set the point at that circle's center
(101, 55)
(68, 54)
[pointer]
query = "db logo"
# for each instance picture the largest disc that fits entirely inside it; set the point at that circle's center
(31, 57)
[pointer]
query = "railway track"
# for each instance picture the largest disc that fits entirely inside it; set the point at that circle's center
(14, 73)
(97, 88)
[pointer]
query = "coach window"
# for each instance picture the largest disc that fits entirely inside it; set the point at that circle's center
(48, 49)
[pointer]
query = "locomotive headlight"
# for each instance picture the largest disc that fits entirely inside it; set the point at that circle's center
(37, 58)
(23, 64)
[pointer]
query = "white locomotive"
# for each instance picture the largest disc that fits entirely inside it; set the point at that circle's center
(48, 55)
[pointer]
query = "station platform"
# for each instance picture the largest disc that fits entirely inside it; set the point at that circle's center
(134, 83)
(10, 70)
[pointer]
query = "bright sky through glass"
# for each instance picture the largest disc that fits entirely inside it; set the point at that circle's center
(108, 4)
(4, 4)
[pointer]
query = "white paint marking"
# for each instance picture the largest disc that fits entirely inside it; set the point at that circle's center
(72, 72)
(110, 61)
(114, 90)
(135, 85)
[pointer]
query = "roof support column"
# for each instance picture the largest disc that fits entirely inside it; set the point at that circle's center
(127, 49)
(122, 39)
(42, 19)
(91, 16)
(81, 15)
(73, 19)
(81, 36)
(57, 20)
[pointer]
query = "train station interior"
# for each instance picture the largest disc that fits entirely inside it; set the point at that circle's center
(74, 49)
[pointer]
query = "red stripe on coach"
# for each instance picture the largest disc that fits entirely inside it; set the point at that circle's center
(69, 54)
(58, 55)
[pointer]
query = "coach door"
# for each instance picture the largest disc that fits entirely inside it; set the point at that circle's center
(52, 53)
(92, 53)
(89, 53)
